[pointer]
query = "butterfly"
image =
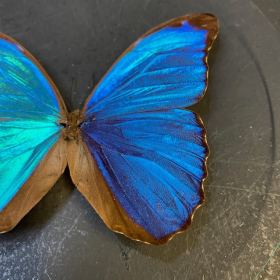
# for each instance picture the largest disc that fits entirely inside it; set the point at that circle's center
(136, 156)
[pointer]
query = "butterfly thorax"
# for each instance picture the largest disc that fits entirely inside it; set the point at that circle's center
(71, 127)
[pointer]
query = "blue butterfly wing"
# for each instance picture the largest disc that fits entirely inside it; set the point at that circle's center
(30, 110)
(149, 157)
(154, 165)
(164, 69)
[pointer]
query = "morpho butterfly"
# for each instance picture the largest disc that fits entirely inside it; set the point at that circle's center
(137, 158)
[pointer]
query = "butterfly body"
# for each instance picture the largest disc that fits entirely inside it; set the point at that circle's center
(137, 158)
(71, 125)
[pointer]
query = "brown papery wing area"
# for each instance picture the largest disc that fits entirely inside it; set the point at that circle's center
(38, 184)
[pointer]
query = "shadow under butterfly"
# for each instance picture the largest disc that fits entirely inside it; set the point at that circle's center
(138, 159)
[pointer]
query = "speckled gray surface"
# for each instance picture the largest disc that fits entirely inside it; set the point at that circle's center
(237, 229)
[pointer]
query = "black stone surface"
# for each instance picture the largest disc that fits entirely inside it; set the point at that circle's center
(237, 229)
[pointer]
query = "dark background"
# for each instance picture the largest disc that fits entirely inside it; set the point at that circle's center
(236, 230)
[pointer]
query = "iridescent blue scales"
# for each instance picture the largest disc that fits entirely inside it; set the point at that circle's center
(28, 115)
(154, 163)
(137, 158)
(164, 70)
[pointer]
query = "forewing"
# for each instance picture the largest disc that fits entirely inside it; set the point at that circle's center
(30, 112)
(165, 69)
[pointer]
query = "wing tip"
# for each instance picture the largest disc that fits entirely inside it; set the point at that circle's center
(205, 21)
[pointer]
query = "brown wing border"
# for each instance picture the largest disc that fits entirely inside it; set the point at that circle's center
(37, 185)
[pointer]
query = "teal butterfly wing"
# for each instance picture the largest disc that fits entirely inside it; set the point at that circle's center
(32, 153)
(140, 160)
